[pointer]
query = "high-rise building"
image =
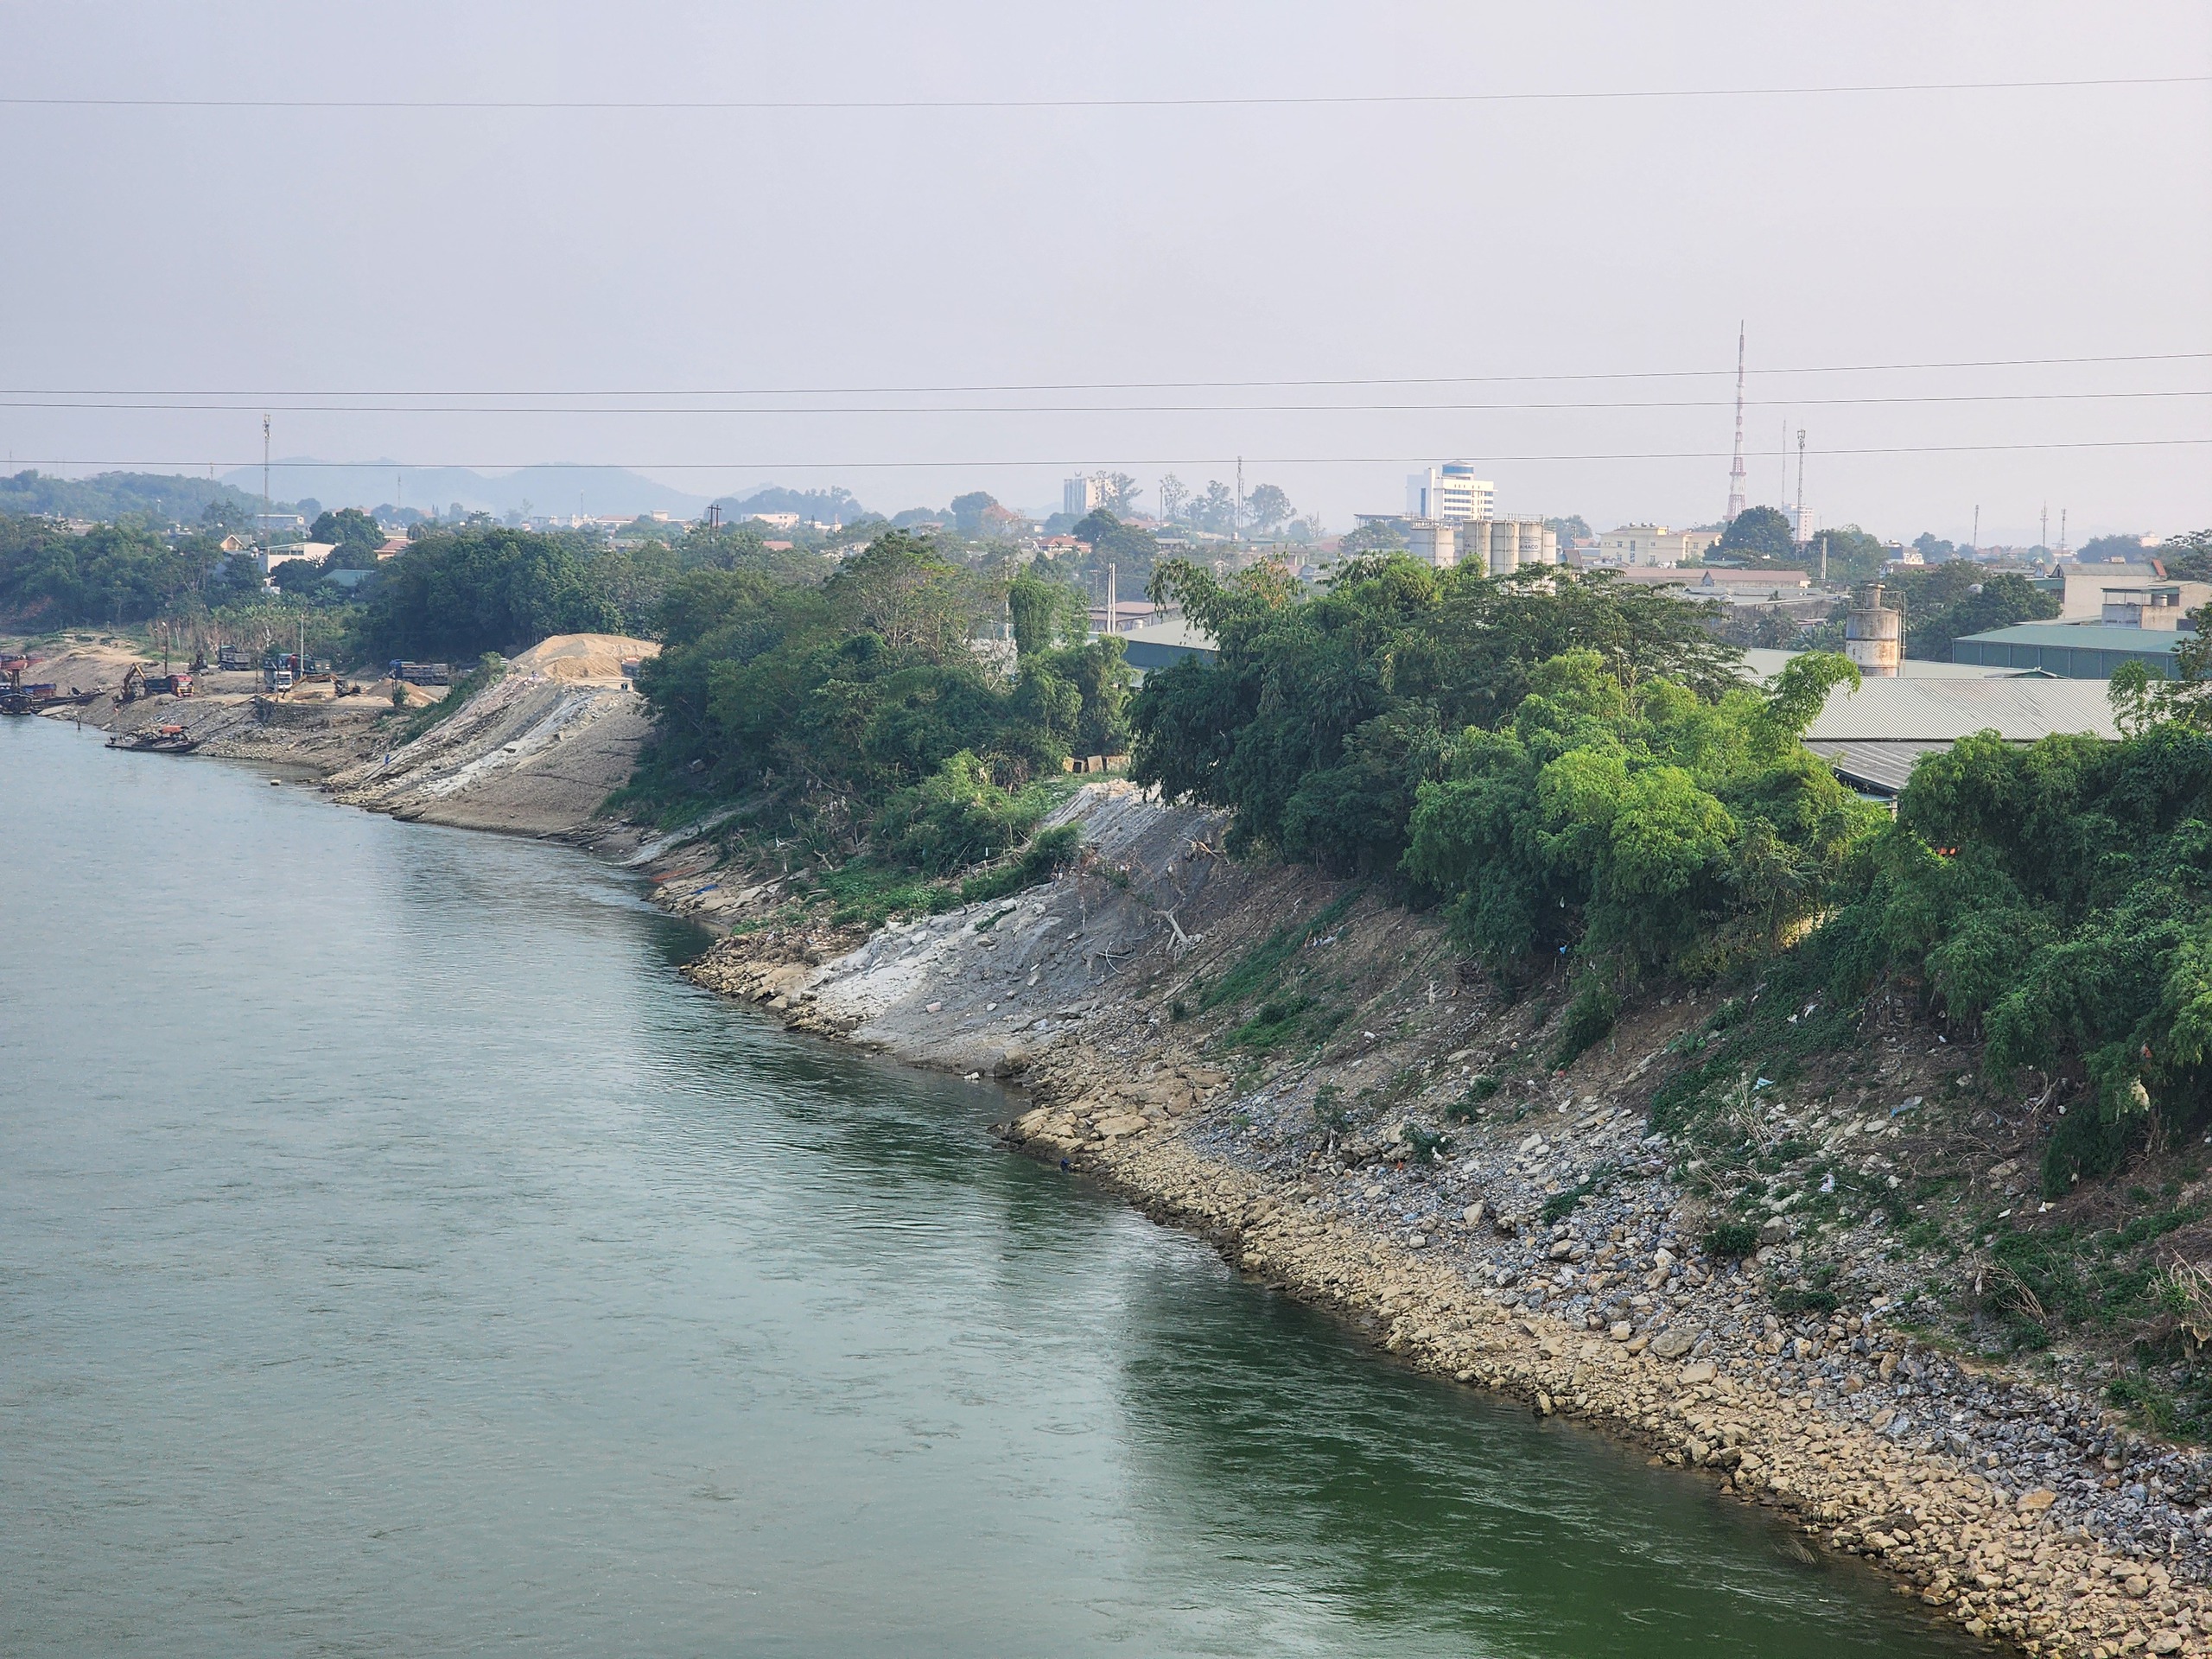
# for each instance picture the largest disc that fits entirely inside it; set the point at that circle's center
(1450, 493)
(1080, 496)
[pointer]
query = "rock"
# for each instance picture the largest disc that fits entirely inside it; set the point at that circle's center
(1622, 1331)
(2164, 1642)
(1699, 1371)
(1774, 1231)
(1673, 1343)
(2042, 1498)
(1473, 1215)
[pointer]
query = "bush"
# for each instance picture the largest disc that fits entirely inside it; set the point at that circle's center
(958, 818)
(1588, 1021)
(1044, 856)
(1799, 1299)
(1468, 1107)
(1329, 1108)
(1731, 1239)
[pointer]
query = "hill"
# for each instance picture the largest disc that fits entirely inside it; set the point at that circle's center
(114, 495)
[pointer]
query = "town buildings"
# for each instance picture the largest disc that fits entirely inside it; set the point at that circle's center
(1450, 494)
(1653, 544)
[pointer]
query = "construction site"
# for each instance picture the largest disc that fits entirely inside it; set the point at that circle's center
(532, 748)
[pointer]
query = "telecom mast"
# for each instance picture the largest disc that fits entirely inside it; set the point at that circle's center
(1736, 469)
(1802, 536)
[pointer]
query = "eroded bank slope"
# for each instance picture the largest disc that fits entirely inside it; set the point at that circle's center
(537, 753)
(1311, 1077)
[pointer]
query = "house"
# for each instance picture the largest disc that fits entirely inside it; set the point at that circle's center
(1654, 544)
(270, 558)
(2081, 586)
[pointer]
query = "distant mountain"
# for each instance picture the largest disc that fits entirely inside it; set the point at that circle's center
(164, 496)
(605, 491)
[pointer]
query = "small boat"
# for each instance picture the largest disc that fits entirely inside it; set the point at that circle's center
(157, 740)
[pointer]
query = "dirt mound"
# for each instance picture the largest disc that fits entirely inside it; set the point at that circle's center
(582, 656)
(88, 668)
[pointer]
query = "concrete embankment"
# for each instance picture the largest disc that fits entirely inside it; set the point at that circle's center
(1544, 1248)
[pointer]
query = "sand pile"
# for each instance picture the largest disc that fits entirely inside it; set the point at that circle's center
(582, 656)
(89, 668)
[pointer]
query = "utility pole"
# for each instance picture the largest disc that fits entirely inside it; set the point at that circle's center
(266, 509)
(1977, 527)
(1236, 512)
(1113, 603)
(1736, 466)
(1797, 529)
(2045, 532)
(2061, 528)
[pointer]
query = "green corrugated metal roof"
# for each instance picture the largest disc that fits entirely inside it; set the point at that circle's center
(2080, 636)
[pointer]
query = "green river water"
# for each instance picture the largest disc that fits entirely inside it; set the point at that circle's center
(397, 1256)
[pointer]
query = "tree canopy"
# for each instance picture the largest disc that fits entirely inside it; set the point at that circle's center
(1940, 604)
(1758, 533)
(454, 596)
(841, 696)
(1574, 768)
(51, 577)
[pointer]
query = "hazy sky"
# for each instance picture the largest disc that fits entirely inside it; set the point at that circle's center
(335, 251)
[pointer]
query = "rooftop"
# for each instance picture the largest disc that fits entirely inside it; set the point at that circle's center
(2084, 636)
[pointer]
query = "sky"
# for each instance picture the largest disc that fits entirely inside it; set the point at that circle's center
(728, 297)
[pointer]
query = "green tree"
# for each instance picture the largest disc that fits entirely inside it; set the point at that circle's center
(1758, 535)
(454, 596)
(968, 511)
(1045, 613)
(1379, 536)
(1943, 601)
(1266, 507)
(835, 695)
(1853, 556)
(353, 532)
(1131, 550)
(2098, 549)
(1319, 717)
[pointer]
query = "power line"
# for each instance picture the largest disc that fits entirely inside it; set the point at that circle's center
(1350, 100)
(384, 464)
(1080, 409)
(1133, 385)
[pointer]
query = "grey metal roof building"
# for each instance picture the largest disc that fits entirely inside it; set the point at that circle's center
(1157, 645)
(1873, 736)
(2074, 651)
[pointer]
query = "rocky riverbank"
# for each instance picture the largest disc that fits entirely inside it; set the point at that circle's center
(1542, 1250)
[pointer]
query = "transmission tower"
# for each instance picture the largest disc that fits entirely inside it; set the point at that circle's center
(1736, 467)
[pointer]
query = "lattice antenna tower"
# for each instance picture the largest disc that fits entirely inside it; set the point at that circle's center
(1736, 502)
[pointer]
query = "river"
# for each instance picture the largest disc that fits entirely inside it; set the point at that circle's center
(398, 1256)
